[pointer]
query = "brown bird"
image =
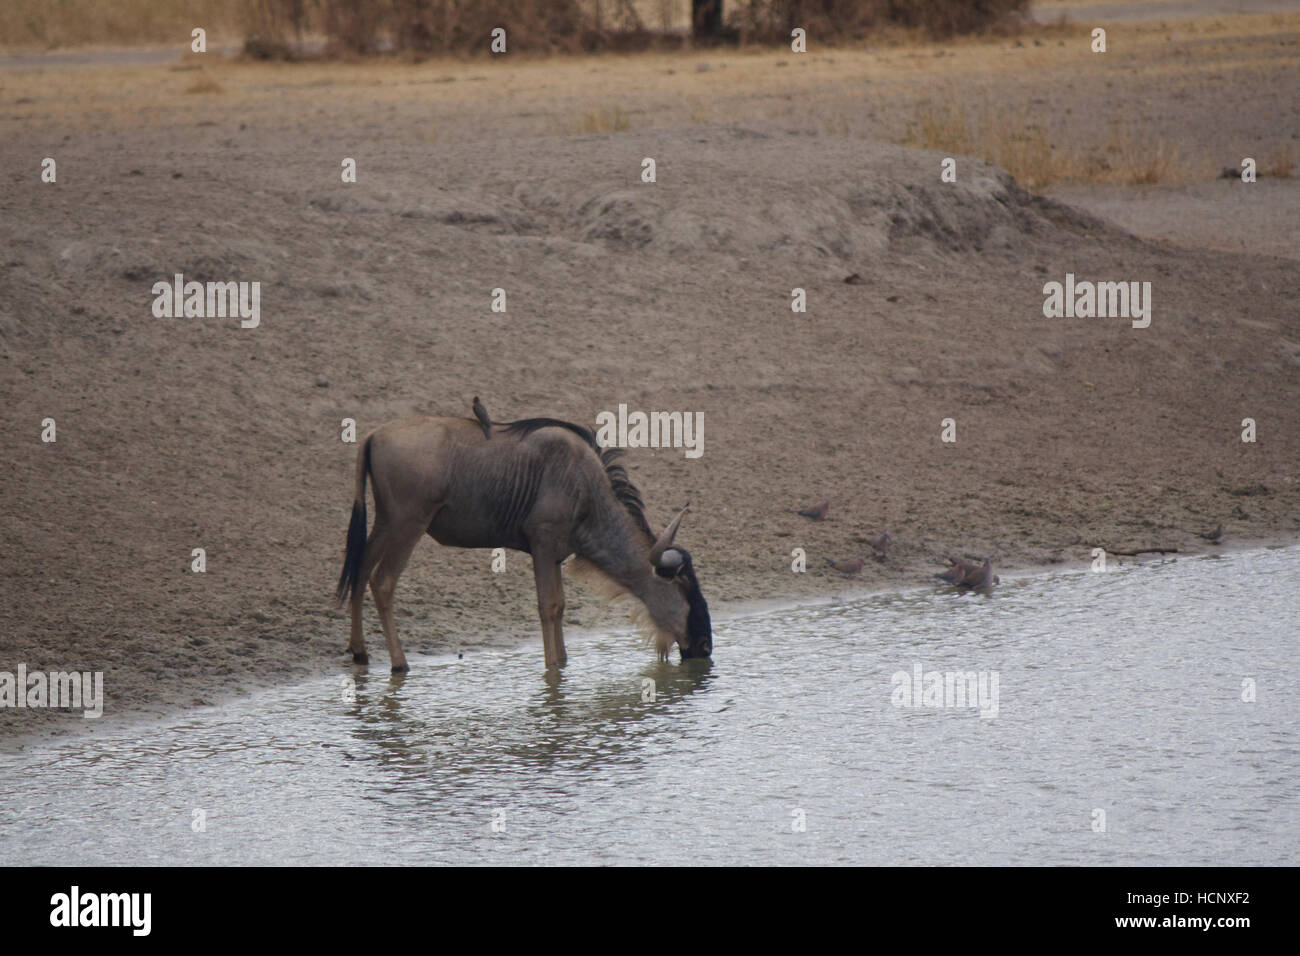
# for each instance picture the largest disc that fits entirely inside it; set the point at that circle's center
(818, 511)
(482, 415)
(1213, 536)
(847, 566)
(980, 576)
(955, 572)
(968, 574)
(881, 542)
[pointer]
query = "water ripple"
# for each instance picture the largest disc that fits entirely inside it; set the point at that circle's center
(1118, 694)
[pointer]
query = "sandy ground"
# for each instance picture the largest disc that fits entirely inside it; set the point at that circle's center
(1261, 219)
(182, 433)
(1125, 11)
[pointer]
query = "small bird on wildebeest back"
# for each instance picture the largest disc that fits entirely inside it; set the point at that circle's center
(818, 511)
(847, 566)
(484, 421)
(880, 543)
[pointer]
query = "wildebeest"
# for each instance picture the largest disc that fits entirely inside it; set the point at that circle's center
(540, 486)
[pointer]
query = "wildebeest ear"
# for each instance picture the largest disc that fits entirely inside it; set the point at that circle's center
(661, 547)
(676, 563)
(671, 563)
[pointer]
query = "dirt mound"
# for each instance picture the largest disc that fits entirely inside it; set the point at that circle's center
(470, 209)
(891, 199)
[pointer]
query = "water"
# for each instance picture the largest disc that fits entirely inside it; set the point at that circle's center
(1118, 692)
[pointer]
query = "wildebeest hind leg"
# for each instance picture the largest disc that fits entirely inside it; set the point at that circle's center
(375, 545)
(397, 552)
(357, 642)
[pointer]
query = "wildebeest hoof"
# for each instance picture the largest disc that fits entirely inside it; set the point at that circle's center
(402, 670)
(360, 657)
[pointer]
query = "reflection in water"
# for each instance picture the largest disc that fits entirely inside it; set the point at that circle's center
(447, 735)
(1119, 692)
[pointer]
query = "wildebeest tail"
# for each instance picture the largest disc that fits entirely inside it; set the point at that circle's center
(350, 578)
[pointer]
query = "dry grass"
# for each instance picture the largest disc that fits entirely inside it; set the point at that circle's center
(1064, 5)
(1003, 136)
(836, 124)
(1280, 163)
(608, 119)
(456, 26)
(841, 22)
(1011, 137)
(45, 24)
(204, 83)
(1138, 158)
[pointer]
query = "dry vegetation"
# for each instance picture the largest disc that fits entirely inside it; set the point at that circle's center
(1009, 137)
(461, 26)
(770, 21)
(1280, 162)
(273, 28)
(204, 84)
(1162, 108)
(47, 24)
(608, 120)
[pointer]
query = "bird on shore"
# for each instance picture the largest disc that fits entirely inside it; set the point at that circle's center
(484, 421)
(818, 511)
(968, 574)
(955, 572)
(1212, 536)
(880, 543)
(847, 566)
(980, 576)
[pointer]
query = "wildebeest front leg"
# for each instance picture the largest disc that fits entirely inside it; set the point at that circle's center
(550, 607)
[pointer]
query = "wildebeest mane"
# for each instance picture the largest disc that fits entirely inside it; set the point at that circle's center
(624, 490)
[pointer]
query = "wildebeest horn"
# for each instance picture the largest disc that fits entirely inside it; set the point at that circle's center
(666, 539)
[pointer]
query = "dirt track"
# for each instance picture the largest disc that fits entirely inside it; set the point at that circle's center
(183, 433)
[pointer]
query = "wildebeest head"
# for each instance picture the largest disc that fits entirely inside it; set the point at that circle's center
(694, 634)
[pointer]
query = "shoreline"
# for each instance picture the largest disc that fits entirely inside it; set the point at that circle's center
(135, 717)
